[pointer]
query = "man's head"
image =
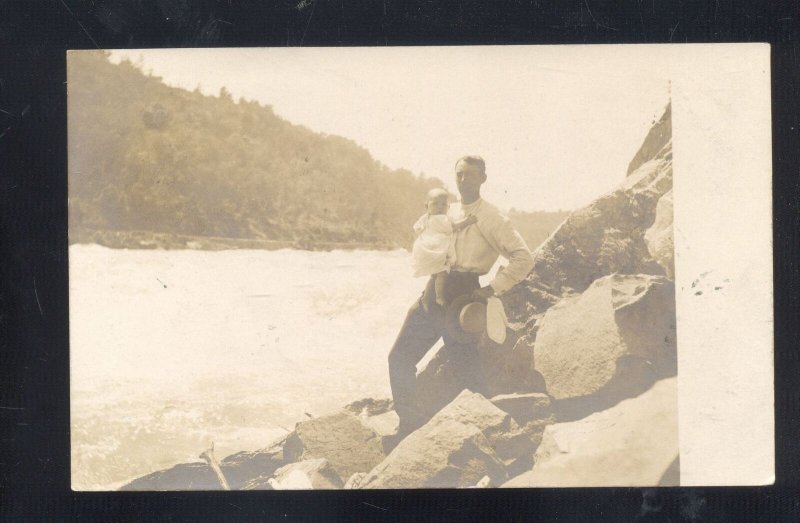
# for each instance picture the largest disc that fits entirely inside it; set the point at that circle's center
(470, 175)
(436, 202)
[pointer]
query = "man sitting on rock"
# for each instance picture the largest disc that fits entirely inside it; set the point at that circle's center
(477, 248)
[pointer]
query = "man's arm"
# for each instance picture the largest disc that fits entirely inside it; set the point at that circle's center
(511, 245)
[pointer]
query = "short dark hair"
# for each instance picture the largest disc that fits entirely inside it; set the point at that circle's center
(474, 160)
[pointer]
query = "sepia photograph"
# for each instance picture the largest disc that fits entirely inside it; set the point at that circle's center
(364, 268)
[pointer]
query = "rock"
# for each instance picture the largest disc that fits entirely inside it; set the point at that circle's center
(505, 436)
(655, 141)
(603, 238)
(355, 481)
(452, 455)
(259, 483)
(524, 407)
(382, 424)
(491, 369)
(375, 414)
(659, 237)
(484, 482)
(621, 329)
(238, 468)
(185, 476)
(344, 439)
(245, 466)
(312, 473)
(468, 439)
(634, 443)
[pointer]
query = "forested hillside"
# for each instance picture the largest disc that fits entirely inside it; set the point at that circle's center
(146, 159)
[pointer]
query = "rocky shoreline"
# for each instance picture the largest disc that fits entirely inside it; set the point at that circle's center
(583, 392)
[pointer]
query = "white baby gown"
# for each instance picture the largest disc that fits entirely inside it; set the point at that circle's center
(434, 248)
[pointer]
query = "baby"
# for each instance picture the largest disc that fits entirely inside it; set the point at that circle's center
(434, 249)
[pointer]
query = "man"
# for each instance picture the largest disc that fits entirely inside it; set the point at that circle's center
(477, 248)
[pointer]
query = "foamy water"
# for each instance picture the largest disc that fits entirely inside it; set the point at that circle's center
(171, 350)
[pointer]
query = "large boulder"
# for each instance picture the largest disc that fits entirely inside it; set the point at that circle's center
(468, 439)
(634, 443)
(347, 439)
(603, 238)
(238, 469)
(453, 455)
(659, 237)
(505, 436)
(615, 339)
(655, 141)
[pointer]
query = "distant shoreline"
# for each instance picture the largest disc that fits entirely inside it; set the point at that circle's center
(142, 239)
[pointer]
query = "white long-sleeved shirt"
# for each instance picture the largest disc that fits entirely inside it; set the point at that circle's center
(479, 245)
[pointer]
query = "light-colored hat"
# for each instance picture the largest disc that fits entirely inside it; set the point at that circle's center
(496, 320)
(465, 319)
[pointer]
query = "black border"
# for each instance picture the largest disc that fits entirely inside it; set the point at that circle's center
(34, 361)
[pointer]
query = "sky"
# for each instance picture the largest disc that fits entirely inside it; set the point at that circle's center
(556, 125)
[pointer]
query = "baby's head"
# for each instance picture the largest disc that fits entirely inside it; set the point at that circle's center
(436, 201)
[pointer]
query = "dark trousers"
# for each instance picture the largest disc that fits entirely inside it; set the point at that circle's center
(423, 326)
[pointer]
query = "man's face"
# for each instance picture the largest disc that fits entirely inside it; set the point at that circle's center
(468, 178)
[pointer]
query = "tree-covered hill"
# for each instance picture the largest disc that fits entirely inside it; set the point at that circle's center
(149, 159)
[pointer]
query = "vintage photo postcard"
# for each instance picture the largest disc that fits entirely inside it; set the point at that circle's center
(427, 267)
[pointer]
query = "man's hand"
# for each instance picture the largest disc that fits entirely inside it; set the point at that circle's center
(482, 294)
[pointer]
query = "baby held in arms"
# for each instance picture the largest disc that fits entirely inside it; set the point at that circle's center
(434, 249)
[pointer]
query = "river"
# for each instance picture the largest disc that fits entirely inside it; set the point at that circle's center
(173, 349)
